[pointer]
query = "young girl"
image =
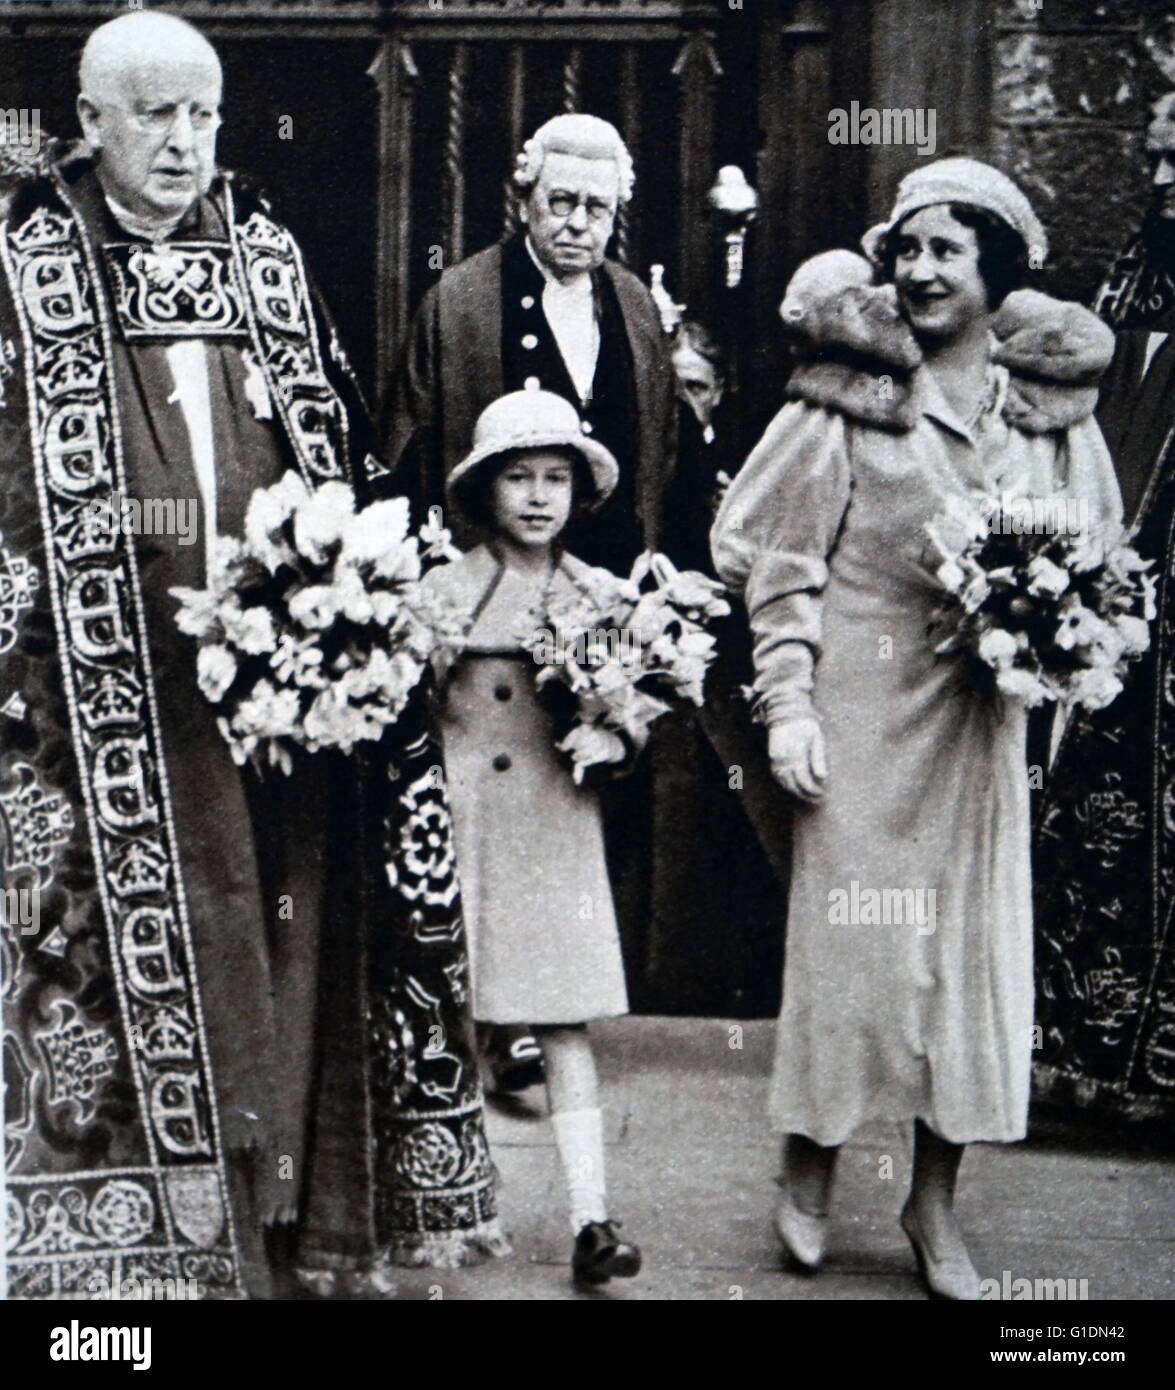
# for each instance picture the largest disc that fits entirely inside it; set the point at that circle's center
(544, 947)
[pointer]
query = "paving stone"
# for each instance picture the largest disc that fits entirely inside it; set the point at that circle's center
(690, 1162)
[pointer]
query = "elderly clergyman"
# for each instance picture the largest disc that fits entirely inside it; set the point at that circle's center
(548, 309)
(159, 343)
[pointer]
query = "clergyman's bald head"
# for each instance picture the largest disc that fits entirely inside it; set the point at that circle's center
(134, 39)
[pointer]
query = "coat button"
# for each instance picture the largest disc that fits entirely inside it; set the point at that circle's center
(586, 426)
(528, 301)
(502, 762)
(503, 692)
(529, 342)
(532, 383)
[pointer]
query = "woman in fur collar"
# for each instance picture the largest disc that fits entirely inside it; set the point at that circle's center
(928, 379)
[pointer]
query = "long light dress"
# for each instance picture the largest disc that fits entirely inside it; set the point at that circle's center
(927, 788)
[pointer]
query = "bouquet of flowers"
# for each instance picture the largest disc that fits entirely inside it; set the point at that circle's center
(1039, 612)
(622, 653)
(314, 629)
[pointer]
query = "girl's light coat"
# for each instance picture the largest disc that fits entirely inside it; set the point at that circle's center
(544, 946)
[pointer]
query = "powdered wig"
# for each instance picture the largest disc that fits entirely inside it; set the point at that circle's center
(588, 137)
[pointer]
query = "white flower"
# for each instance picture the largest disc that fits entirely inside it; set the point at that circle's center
(1096, 688)
(1079, 626)
(1022, 685)
(216, 668)
(269, 509)
(975, 592)
(197, 614)
(1089, 553)
(251, 630)
(320, 520)
(350, 596)
(1108, 648)
(1046, 580)
(951, 576)
(333, 723)
(375, 532)
(1134, 633)
(400, 563)
(696, 592)
(241, 747)
(268, 712)
(297, 661)
(998, 648)
(314, 606)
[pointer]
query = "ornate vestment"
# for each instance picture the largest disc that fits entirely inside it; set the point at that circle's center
(186, 946)
(1104, 851)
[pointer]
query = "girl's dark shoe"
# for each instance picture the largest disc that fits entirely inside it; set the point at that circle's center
(600, 1254)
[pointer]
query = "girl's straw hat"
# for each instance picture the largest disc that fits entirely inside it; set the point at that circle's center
(532, 420)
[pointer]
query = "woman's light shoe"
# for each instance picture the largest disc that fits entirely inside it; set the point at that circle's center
(955, 1278)
(803, 1235)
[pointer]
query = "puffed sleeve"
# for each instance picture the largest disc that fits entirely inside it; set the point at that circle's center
(771, 541)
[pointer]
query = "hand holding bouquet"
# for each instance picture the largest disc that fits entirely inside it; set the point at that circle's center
(314, 629)
(1039, 612)
(624, 652)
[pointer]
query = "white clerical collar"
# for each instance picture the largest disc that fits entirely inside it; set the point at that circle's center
(149, 228)
(578, 285)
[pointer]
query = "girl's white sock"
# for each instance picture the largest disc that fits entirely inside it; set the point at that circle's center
(579, 1137)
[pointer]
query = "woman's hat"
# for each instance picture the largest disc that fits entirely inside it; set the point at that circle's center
(961, 180)
(532, 420)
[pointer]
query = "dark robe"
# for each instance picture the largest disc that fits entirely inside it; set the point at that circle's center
(718, 914)
(466, 348)
(1104, 847)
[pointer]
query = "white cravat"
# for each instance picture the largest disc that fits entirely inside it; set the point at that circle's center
(571, 312)
(188, 361)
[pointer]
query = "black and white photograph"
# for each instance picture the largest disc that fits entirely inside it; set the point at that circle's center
(587, 696)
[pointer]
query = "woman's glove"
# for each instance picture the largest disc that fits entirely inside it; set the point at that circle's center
(798, 759)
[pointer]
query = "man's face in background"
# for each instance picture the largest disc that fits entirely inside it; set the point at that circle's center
(1160, 149)
(698, 382)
